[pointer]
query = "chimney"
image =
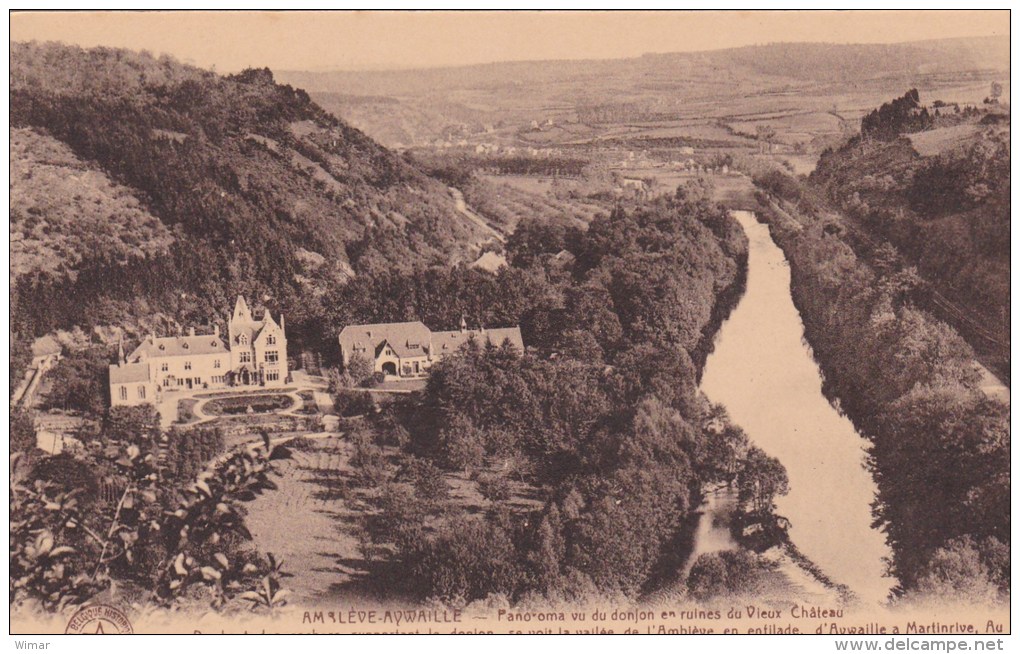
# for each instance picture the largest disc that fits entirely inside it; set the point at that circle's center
(463, 324)
(216, 330)
(191, 331)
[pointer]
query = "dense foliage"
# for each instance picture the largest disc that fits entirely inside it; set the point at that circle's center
(77, 523)
(947, 212)
(208, 186)
(600, 420)
(902, 115)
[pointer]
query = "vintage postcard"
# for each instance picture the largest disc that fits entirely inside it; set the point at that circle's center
(510, 322)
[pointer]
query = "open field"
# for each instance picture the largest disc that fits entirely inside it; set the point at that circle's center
(506, 199)
(311, 523)
(935, 142)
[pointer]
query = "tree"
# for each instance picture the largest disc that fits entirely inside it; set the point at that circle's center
(729, 572)
(708, 577)
(22, 430)
(359, 367)
(20, 358)
(468, 559)
(78, 382)
(725, 447)
(137, 425)
(761, 479)
(462, 445)
(766, 134)
(955, 572)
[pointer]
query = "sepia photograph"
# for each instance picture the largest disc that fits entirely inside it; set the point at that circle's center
(511, 322)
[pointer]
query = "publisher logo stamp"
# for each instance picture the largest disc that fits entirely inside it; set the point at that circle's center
(99, 619)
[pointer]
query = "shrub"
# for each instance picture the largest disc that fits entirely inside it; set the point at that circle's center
(731, 572)
(428, 481)
(23, 437)
(495, 488)
(467, 560)
(354, 403)
(67, 473)
(462, 445)
(187, 451)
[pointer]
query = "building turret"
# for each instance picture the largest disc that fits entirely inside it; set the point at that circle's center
(241, 310)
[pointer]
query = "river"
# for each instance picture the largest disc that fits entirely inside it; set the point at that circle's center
(763, 372)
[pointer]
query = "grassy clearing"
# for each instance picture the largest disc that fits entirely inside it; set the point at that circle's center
(936, 141)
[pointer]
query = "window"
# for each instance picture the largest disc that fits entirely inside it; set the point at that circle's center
(180, 382)
(165, 367)
(166, 381)
(243, 339)
(216, 363)
(272, 376)
(245, 357)
(141, 392)
(270, 340)
(123, 393)
(272, 356)
(187, 365)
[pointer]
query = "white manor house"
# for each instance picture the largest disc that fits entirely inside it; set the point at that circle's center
(255, 354)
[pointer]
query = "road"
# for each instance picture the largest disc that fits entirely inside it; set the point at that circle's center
(458, 199)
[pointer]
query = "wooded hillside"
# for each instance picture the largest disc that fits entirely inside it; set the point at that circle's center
(195, 187)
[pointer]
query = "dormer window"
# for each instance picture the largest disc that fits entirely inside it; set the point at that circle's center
(185, 346)
(271, 340)
(162, 347)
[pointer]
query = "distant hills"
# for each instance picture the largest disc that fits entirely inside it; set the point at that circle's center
(415, 106)
(813, 62)
(142, 186)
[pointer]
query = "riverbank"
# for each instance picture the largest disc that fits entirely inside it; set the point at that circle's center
(939, 443)
(764, 373)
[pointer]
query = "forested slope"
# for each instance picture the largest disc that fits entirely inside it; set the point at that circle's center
(938, 190)
(254, 189)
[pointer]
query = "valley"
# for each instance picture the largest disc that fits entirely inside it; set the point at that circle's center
(756, 316)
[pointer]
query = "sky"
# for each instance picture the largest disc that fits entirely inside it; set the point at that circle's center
(231, 41)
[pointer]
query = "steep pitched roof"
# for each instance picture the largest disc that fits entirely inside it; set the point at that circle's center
(448, 342)
(267, 327)
(401, 336)
(178, 346)
(241, 310)
(129, 373)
